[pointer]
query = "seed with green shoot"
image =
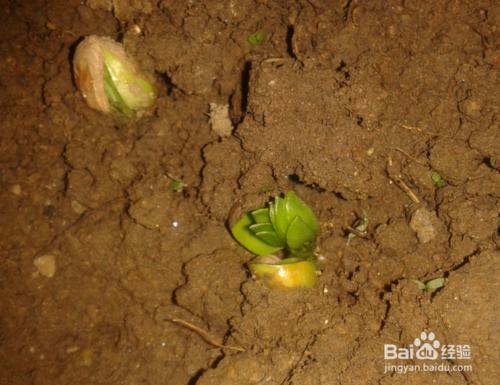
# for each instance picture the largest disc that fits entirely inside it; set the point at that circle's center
(287, 223)
(109, 79)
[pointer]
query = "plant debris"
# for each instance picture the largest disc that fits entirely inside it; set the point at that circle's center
(358, 228)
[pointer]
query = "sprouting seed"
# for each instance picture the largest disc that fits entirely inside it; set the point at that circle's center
(287, 224)
(110, 80)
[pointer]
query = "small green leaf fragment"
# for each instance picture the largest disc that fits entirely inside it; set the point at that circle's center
(256, 38)
(261, 215)
(494, 163)
(249, 240)
(296, 207)
(431, 285)
(435, 284)
(176, 185)
(438, 179)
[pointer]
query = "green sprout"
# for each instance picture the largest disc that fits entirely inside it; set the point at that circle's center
(431, 285)
(289, 225)
(494, 163)
(176, 186)
(256, 39)
(438, 179)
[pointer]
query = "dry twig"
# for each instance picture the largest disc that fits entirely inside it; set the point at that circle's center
(409, 156)
(405, 188)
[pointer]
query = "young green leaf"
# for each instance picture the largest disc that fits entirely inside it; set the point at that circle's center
(271, 239)
(249, 240)
(277, 213)
(431, 285)
(438, 179)
(260, 227)
(298, 234)
(261, 215)
(256, 38)
(287, 223)
(435, 284)
(176, 185)
(296, 207)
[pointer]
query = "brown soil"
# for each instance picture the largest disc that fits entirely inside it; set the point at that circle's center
(348, 103)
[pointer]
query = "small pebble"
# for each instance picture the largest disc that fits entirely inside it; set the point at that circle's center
(423, 222)
(78, 207)
(219, 119)
(46, 265)
(16, 189)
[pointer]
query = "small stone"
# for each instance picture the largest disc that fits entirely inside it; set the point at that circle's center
(46, 265)
(471, 107)
(424, 222)
(219, 119)
(78, 207)
(16, 189)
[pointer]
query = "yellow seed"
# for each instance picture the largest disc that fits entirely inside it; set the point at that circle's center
(300, 274)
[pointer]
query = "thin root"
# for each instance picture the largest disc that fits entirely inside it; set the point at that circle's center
(409, 156)
(204, 334)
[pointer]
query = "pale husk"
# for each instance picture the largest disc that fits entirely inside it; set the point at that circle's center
(88, 67)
